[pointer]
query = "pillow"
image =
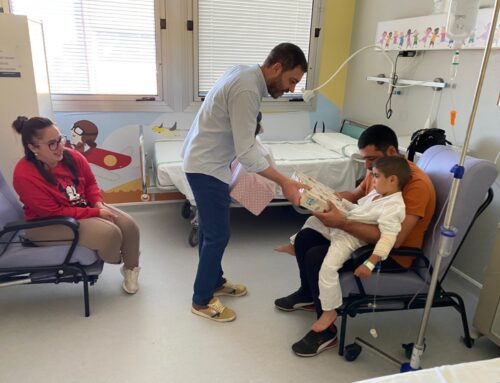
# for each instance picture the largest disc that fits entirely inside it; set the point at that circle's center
(339, 143)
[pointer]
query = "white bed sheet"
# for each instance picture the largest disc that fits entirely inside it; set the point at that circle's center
(340, 143)
(167, 155)
(484, 371)
(315, 159)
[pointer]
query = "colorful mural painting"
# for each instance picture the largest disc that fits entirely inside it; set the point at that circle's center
(166, 132)
(429, 32)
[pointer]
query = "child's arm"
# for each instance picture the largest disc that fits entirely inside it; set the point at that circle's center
(380, 253)
(390, 226)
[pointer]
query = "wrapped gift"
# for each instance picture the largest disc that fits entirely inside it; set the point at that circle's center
(251, 190)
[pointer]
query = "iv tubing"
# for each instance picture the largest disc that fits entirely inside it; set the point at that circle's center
(376, 47)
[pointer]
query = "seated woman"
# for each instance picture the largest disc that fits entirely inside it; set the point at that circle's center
(52, 180)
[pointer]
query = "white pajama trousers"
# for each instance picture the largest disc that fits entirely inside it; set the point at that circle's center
(341, 247)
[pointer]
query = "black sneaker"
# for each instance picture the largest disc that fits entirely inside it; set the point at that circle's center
(295, 301)
(315, 342)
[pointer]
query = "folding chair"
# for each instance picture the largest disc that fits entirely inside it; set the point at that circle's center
(22, 262)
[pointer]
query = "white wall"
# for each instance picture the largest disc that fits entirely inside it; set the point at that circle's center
(365, 102)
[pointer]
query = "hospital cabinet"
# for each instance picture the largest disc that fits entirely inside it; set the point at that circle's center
(24, 83)
(487, 317)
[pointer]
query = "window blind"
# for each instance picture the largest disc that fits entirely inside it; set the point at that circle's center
(97, 47)
(244, 32)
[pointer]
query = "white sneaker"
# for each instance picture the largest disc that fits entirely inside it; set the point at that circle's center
(130, 279)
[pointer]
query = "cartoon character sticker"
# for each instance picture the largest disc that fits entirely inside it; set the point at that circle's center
(83, 137)
(166, 131)
(426, 35)
(382, 38)
(434, 36)
(72, 194)
(388, 40)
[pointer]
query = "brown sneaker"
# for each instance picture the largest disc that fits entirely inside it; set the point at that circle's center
(231, 290)
(216, 311)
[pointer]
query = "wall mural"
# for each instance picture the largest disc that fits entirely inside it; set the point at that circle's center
(429, 32)
(166, 132)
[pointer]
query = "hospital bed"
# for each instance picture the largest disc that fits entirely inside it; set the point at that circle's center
(331, 158)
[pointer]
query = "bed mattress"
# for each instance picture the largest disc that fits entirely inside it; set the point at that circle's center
(167, 156)
(328, 157)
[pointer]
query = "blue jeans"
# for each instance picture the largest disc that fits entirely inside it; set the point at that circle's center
(212, 201)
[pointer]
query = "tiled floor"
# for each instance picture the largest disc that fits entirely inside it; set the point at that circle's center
(153, 337)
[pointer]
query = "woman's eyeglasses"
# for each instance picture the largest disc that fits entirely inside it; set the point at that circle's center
(54, 144)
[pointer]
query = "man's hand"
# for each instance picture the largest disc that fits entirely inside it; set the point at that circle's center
(362, 272)
(333, 217)
(291, 189)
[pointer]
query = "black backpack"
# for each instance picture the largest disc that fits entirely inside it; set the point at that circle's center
(423, 139)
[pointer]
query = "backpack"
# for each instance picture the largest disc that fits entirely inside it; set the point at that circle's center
(423, 139)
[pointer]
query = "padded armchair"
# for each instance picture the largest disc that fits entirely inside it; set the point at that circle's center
(22, 262)
(407, 289)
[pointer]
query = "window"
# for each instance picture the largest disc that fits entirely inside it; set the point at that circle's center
(120, 55)
(93, 46)
(234, 32)
(100, 48)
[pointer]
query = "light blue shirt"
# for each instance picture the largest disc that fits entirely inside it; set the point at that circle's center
(224, 128)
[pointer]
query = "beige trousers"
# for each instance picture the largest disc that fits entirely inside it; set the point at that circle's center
(114, 242)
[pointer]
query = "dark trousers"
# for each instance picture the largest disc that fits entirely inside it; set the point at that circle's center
(212, 202)
(310, 250)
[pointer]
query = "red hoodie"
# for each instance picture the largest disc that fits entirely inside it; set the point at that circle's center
(68, 198)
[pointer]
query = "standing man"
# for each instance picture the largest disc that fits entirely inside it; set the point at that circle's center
(224, 129)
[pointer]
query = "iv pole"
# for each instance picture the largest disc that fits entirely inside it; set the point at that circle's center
(448, 232)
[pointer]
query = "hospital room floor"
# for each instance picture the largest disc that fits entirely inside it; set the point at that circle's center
(153, 337)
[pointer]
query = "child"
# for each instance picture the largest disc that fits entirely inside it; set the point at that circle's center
(383, 206)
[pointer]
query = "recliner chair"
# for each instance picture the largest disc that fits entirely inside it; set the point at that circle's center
(402, 290)
(22, 262)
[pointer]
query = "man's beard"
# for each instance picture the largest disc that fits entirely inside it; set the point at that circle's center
(275, 89)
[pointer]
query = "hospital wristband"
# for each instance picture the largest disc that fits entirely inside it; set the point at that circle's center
(368, 264)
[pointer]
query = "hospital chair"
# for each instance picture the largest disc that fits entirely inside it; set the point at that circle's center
(22, 262)
(407, 289)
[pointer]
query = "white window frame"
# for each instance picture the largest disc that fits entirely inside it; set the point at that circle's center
(286, 102)
(177, 64)
(125, 103)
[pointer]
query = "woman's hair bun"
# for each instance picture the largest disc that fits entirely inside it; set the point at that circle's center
(18, 124)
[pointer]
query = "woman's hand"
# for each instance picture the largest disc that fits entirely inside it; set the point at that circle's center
(333, 217)
(107, 214)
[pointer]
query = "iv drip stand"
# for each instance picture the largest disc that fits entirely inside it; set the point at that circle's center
(447, 231)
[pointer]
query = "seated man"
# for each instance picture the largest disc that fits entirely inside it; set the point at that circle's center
(311, 247)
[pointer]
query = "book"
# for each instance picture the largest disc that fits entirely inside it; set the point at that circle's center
(315, 199)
